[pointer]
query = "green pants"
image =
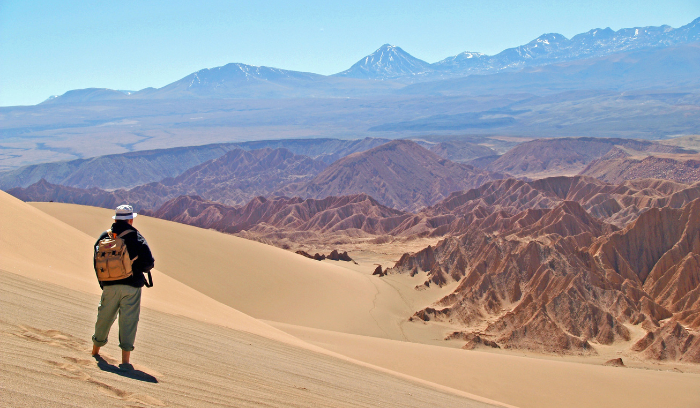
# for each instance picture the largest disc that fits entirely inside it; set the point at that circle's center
(122, 299)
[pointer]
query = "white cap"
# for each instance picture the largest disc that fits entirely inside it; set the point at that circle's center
(125, 212)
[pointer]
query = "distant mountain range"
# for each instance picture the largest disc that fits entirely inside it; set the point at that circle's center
(147, 166)
(232, 179)
(674, 66)
(546, 157)
(391, 62)
(619, 165)
(389, 68)
(400, 174)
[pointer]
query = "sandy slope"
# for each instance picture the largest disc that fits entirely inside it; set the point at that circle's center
(522, 381)
(179, 362)
(65, 259)
(262, 281)
(236, 361)
(307, 296)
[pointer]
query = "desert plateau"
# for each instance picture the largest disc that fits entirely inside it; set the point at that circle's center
(514, 228)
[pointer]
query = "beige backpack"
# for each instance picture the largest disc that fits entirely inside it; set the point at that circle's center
(112, 258)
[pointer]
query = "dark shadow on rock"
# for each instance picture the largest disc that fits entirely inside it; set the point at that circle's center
(124, 370)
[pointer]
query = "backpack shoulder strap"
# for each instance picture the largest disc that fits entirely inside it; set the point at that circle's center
(122, 236)
(124, 233)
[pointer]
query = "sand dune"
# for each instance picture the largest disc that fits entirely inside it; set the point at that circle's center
(48, 300)
(38, 246)
(259, 280)
(179, 362)
(280, 286)
(522, 381)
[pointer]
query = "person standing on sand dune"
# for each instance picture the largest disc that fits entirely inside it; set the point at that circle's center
(122, 256)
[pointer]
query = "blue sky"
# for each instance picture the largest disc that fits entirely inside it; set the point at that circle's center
(50, 47)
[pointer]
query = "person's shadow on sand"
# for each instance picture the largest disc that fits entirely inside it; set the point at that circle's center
(124, 370)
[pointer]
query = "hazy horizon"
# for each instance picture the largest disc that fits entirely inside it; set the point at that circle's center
(49, 48)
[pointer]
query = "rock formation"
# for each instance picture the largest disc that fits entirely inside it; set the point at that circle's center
(400, 174)
(566, 156)
(461, 151)
(232, 179)
(615, 362)
(358, 212)
(619, 165)
(473, 340)
(44, 191)
(564, 281)
(333, 256)
(617, 204)
(671, 341)
(240, 175)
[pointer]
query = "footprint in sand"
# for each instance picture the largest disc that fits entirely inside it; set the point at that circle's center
(72, 369)
(69, 370)
(80, 361)
(75, 368)
(51, 337)
(59, 339)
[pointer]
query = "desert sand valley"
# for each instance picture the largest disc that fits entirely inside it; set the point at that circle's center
(232, 321)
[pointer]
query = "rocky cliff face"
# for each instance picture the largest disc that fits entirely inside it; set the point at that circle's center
(616, 204)
(332, 214)
(562, 281)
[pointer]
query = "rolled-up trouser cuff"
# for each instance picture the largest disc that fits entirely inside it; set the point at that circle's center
(98, 343)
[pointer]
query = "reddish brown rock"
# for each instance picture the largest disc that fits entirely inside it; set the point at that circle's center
(473, 340)
(567, 155)
(564, 281)
(615, 362)
(304, 254)
(619, 165)
(672, 341)
(334, 256)
(615, 204)
(400, 174)
(232, 179)
(337, 256)
(359, 212)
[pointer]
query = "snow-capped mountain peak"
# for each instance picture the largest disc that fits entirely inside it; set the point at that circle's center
(551, 48)
(387, 62)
